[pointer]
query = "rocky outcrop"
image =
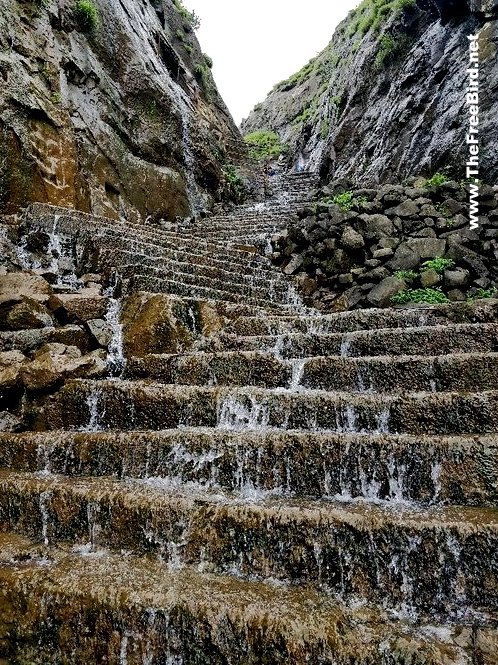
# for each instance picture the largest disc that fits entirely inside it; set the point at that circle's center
(362, 248)
(385, 99)
(118, 118)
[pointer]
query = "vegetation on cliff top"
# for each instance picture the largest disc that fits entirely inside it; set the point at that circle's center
(264, 145)
(190, 17)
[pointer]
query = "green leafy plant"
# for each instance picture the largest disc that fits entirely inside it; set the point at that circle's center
(345, 200)
(264, 145)
(387, 47)
(86, 15)
(203, 76)
(437, 180)
(303, 117)
(208, 60)
(190, 17)
(438, 264)
(235, 185)
(482, 294)
(443, 210)
(430, 296)
(406, 275)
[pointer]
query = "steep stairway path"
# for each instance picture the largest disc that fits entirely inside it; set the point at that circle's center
(296, 488)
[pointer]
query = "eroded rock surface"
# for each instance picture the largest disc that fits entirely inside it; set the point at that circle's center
(386, 98)
(111, 120)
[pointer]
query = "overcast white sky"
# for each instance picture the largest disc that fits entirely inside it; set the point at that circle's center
(256, 44)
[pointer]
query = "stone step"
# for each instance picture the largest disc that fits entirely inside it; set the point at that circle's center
(368, 319)
(430, 340)
(374, 467)
(102, 230)
(271, 289)
(178, 242)
(129, 609)
(247, 264)
(440, 559)
(140, 282)
(126, 405)
(381, 374)
(250, 275)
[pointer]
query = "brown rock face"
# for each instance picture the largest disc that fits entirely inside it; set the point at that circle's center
(110, 121)
(56, 362)
(162, 324)
(15, 285)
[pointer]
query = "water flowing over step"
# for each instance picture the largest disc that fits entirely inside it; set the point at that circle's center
(289, 488)
(134, 609)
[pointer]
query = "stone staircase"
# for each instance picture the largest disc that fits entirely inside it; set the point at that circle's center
(295, 489)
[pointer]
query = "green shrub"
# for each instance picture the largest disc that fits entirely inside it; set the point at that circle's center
(429, 296)
(190, 17)
(202, 75)
(303, 117)
(437, 180)
(234, 183)
(345, 201)
(208, 60)
(300, 76)
(264, 145)
(86, 15)
(482, 294)
(438, 264)
(387, 46)
(406, 275)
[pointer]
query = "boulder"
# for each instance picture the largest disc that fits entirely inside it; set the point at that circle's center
(294, 264)
(427, 248)
(14, 286)
(28, 314)
(351, 239)
(11, 363)
(405, 258)
(380, 295)
(430, 278)
(101, 331)
(407, 208)
(162, 324)
(375, 227)
(455, 279)
(84, 305)
(54, 363)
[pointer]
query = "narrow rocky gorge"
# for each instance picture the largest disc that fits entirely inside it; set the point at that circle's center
(213, 473)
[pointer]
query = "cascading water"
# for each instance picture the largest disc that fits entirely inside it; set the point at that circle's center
(197, 200)
(116, 360)
(235, 415)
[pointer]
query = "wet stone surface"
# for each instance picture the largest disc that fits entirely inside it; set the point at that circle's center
(235, 478)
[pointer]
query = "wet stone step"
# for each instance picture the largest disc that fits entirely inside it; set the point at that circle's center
(141, 282)
(180, 245)
(225, 260)
(375, 467)
(369, 319)
(250, 275)
(441, 560)
(270, 289)
(381, 374)
(430, 340)
(126, 405)
(136, 610)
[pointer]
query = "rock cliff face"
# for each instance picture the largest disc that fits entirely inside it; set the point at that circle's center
(385, 99)
(117, 118)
